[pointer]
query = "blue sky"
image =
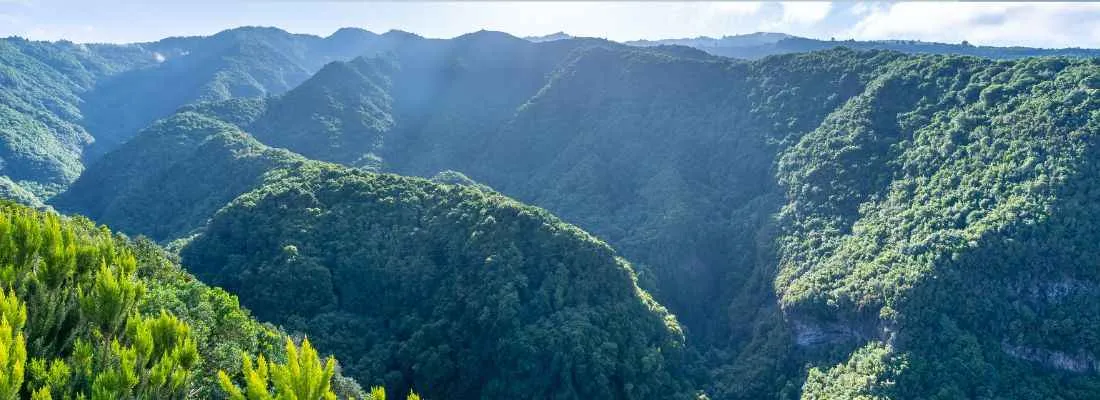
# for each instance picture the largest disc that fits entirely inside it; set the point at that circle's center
(1029, 24)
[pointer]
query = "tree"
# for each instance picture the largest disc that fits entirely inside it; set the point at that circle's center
(302, 377)
(13, 349)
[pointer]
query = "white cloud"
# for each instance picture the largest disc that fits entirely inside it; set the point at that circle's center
(805, 12)
(1027, 24)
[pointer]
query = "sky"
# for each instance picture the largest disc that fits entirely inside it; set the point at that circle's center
(986, 23)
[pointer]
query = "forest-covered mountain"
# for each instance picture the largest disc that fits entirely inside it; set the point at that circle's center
(64, 104)
(834, 224)
(238, 63)
(942, 218)
(170, 179)
(478, 304)
(41, 135)
(461, 293)
(762, 44)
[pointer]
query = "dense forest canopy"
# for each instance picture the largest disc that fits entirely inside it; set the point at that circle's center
(170, 179)
(848, 223)
(461, 293)
(64, 104)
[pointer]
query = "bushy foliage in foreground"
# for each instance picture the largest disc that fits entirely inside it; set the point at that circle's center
(85, 314)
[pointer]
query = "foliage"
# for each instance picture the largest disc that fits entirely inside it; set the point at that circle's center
(41, 135)
(11, 191)
(77, 319)
(63, 104)
(13, 352)
(302, 377)
(166, 182)
(483, 297)
(797, 212)
(942, 209)
(868, 375)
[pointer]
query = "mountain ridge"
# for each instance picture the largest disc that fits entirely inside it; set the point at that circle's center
(842, 223)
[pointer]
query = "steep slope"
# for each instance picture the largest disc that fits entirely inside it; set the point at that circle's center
(677, 172)
(41, 136)
(827, 225)
(63, 104)
(762, 44)
(679, 175)
(242, 62)
(190, 157)
(457, 292)
(168, 180)
(417, 107)
(658, 166)
(342, 113)
(939, 221)
(594, 132)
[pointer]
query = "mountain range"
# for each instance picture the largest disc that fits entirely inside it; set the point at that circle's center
(762, 44)
(756, 216)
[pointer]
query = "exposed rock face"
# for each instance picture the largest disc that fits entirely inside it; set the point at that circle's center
(816, 333)
(1081, 361)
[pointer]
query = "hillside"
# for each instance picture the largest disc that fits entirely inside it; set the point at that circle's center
(612, 145)
(178, 157)
(939, 216)
(41, 135)
(245, 62)
(170, 179)
(573, 131)
(834, 224)
(456, 292)
(65, 104)
(417, 105)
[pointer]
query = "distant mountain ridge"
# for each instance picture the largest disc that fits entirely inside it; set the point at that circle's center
(85, 99)
(64, 104)
(836, 224)
(746, 40)
(762, 44)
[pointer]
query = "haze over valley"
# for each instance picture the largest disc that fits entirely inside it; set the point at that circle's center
(257, 213)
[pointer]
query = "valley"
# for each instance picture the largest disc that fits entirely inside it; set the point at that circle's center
(493, 217)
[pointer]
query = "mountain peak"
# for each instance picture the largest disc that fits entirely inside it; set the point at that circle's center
(268, 30)
(402, 34)
(351, 32)
(486, 35)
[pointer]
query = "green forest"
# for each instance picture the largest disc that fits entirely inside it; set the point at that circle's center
(489, 217)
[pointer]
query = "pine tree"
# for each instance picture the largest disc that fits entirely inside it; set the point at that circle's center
(13, 351)
(302, 377)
